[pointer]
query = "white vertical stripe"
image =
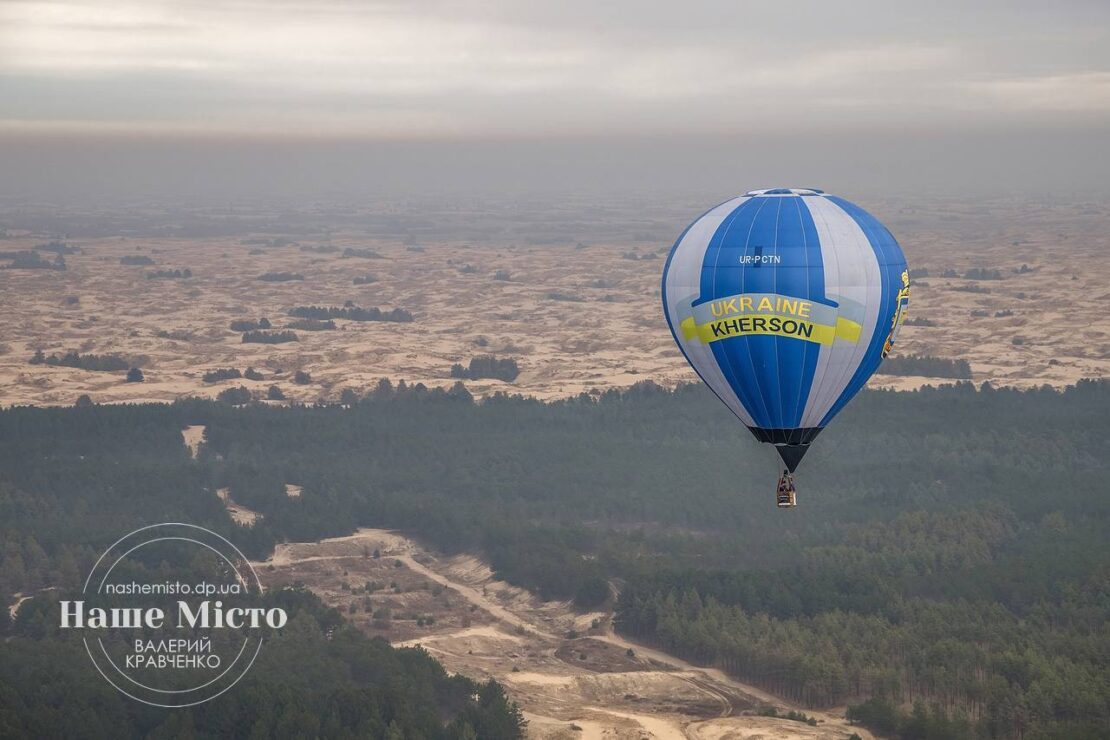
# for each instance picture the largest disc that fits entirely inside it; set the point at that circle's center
(851, 272)
(683, 282)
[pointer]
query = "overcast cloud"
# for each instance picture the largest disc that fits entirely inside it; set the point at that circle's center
(213, 99)
(426, 68)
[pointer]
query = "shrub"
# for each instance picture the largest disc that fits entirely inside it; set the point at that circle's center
(34, 261)
(269, 337)
(971, 289)
(487, 366)
(350, 312)
(311, 325)
(227, 373)
(932, 367)
(235, 396)
(96, 363)
(56, 247)
(982, 273)
(557, 296)
(250, 324)
(366, 254)
(170, 274)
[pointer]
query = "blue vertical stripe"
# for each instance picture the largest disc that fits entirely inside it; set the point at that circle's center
(891, 264)
(721, 276)
(771, 376)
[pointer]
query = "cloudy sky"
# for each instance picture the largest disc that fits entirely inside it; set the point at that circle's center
(937, 91)
(465, 67)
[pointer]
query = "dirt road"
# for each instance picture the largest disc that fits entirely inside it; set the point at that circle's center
(572, 676)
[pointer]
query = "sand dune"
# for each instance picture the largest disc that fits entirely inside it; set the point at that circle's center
(575, 319)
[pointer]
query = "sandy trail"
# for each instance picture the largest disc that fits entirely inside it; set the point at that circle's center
(21, 598)
(714, 676)
(193, 436)
(241, 514)
(525, 645)
(475, 597)
(13, 610)
(664, 729)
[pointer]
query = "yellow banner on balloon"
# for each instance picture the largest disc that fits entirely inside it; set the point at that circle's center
(781, 326)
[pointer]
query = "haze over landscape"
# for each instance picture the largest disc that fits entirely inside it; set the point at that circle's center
(373, 291)
(205, 100)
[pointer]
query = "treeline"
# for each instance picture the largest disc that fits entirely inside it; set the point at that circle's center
(312, 325)
(98, 363)
(350, 313)
(261, 336)
(367, 254)
(949, 548)
(28, 260)
(975, 273)
(487, 366)
(978, 642)
(230, 373)
(250, 324)
(924, 365)
(280, 277)
(135, 259)
(175, 274)
(316, 677)
(277, 241)
(923, 723)
(236, 396)
(57, 247)
(983, 273)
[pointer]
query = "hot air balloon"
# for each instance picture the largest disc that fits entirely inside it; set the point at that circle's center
(785, 301)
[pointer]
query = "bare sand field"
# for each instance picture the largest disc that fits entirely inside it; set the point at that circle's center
(576, 318)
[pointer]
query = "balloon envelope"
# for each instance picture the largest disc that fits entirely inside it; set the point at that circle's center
(785, 301)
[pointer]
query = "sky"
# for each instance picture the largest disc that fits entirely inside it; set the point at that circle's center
(557, 82)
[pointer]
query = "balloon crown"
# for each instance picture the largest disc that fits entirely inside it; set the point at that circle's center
(785, 191)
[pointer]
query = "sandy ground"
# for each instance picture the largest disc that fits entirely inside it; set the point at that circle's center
(241, 514)
(13, 610)
(193, 436)
(575, 319)
(18, 599)
(572, 676)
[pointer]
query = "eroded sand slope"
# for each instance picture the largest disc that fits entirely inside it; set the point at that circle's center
(572, 676)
